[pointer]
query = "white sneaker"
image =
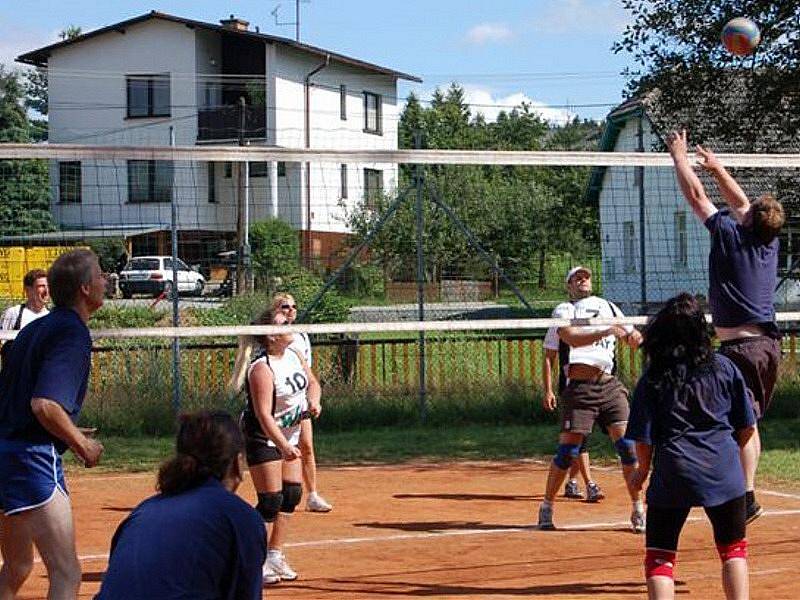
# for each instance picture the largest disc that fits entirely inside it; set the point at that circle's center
(317, 503)
(637, 521)
(277, 562)
(268, 576)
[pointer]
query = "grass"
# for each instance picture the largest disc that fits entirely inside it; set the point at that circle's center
(780, 462)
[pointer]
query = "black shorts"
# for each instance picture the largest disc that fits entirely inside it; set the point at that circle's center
(758, 359)
(257, 447)
(585, 403)
(664, 524)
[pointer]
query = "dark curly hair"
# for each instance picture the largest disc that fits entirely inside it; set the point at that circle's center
(677, 338)
(207, 443)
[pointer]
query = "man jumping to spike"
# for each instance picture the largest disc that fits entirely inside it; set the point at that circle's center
(742, 273)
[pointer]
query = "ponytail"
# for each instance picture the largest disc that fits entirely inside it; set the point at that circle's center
(244, 352)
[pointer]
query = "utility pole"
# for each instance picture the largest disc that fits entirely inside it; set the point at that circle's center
(243, 210)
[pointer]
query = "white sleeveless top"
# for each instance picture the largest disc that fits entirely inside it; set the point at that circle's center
(291, 385)
(601, 353)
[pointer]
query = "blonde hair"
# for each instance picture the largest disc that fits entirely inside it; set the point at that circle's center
(279, 299)
(244, 353)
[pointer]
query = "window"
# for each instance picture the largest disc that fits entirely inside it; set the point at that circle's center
(343, 102)
(343, 180)
(69, 182)
(212, 182)
(259, 169)
(281, 169)
(373, 186)
(681, 240)
(372, 113)
(149, 181)
(148, 96)
(228, 170)
(628, 247)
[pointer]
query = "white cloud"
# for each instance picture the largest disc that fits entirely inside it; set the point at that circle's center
(485, 33)
(482, 100)
(581, 16)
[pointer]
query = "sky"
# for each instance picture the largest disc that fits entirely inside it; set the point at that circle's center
(554, 54)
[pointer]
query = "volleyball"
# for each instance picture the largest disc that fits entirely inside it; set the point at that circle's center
(740, 36)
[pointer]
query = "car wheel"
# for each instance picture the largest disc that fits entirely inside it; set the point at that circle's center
(168, 288)
(198, 288)
(127, 294)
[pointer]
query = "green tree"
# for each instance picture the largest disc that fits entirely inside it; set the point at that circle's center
(275, 249)
(36, 79)
(24, 184)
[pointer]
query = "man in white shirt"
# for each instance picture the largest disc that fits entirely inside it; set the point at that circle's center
(37, 295)
(592, 393)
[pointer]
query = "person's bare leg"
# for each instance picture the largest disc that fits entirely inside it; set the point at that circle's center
(267, 478)
(660, 588)
(17, 550)
(306, 446)
(583, 465)
(53, 533)
(749, 454)
(291, 471)
(573, 469)
(616, 431)
(556, 475)
(735, 579)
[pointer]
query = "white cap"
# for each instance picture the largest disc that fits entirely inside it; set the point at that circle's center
(575, 270)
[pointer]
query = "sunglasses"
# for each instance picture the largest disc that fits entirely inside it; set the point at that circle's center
(288, 306)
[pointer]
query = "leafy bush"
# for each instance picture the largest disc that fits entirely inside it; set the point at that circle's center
(109, 251)
(364, 281)
(112, 317)
(275, 249)
(304, 286)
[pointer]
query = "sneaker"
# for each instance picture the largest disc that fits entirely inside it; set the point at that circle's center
(754, 511)
(571, 490)
(593, 492)
(277, 562)
(637, 521)
(268, 576)
(317, 503)
(546, 518)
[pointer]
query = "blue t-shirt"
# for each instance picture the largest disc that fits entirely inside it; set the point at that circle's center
(203, 544)
(691, 428)
(50, 358)
(742, 275)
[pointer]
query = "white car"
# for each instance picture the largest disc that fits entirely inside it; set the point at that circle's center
(153, 275)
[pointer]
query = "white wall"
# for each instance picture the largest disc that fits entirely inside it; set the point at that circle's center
(619, 203)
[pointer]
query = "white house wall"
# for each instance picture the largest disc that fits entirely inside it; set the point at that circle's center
(619, 203)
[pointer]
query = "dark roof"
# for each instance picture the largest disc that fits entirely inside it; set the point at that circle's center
(39, 57)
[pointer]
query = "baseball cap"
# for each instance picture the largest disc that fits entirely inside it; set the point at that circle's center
(575, 270)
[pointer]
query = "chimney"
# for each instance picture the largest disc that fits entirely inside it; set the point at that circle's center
(235, 23)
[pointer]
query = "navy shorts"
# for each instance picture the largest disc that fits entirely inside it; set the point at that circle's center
(30, 475)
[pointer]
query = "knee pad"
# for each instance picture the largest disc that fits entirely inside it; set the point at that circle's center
(292, 492)
(565, 454)
(659, 563)
(732, 550)
(627, 451)
(269, 503)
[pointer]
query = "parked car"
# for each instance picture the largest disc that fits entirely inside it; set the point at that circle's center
(153, 275)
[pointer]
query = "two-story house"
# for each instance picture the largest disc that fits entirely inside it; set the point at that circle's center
(158, 78)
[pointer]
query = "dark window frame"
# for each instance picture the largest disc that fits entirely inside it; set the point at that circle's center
(369, 193)
(212, 183)
(261, 171)
(70, 192)
(150, 80)
(281, 169)
(343, 102)
(343, 181)
(152, 187)
(378, 130)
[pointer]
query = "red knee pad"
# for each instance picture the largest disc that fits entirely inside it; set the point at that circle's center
(732, 550)
(659, 563)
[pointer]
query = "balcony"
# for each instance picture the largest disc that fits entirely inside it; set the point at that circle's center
(224, 122)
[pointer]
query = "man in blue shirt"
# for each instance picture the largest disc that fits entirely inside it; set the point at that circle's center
(42, 385)
(742, 276)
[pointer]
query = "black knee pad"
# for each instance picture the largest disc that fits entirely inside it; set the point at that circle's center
(292, 492)
(269, 503)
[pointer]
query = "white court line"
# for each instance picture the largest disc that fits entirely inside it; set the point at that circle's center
(436, 534)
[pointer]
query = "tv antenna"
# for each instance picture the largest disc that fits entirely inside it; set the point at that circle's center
(296, 21)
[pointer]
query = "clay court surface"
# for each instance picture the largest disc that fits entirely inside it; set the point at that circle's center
(462, 530)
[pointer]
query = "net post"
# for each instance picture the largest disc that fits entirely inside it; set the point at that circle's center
(419, 175)
(176, 343)
(642, 222)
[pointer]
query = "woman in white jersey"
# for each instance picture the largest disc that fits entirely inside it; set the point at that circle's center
(281, 391)
(283, 303)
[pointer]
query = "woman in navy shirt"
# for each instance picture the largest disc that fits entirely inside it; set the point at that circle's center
(196, 540)
(689, 416)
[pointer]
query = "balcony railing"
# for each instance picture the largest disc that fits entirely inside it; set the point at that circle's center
(224, 122)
